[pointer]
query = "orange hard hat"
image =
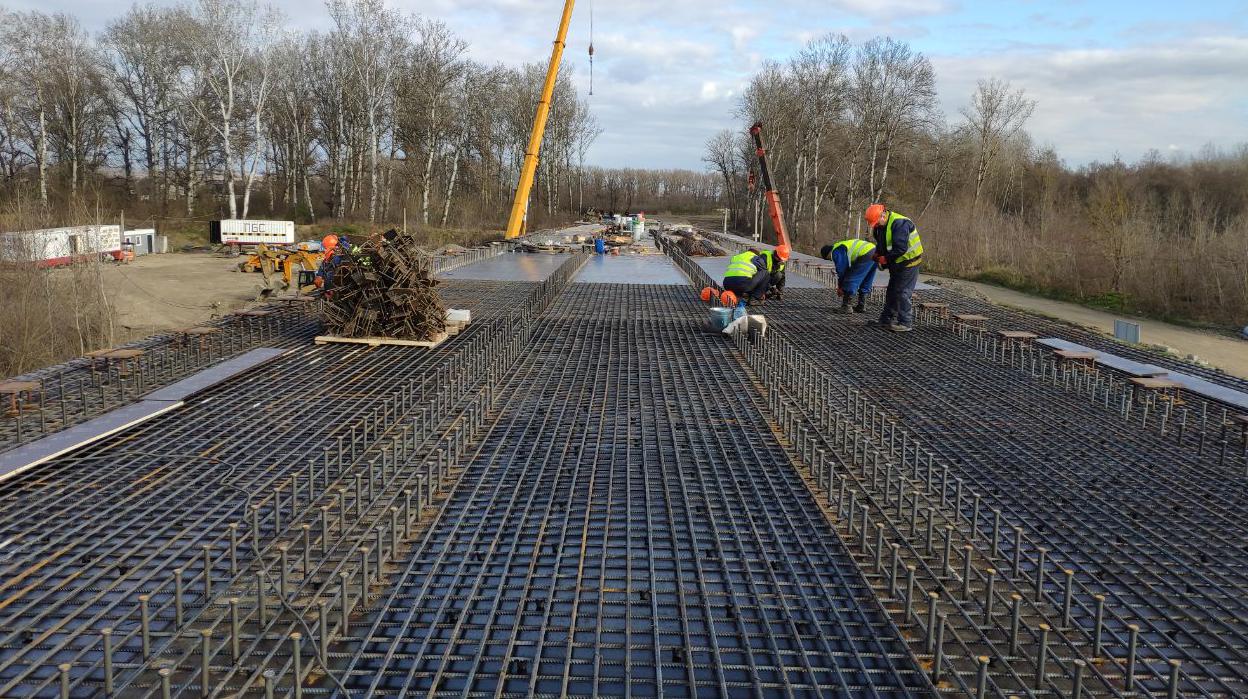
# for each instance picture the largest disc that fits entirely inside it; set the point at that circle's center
(728, 298)
(874, 212)
(707, 294)
(329, 242)
(783, 252)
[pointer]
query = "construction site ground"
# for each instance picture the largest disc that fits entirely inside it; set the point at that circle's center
(588, 492)
(156, 293)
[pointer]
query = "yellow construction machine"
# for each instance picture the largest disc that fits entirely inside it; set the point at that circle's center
(268, 260)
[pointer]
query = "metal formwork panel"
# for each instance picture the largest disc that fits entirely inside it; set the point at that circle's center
(631, 269)
(629, 526)
(511, 267)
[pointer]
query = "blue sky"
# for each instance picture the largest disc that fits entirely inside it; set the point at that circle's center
(1111, 77)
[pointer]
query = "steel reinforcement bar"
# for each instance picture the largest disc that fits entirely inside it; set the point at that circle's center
(269, 629)
(1125, 496)
(73, 392)
(1017, 320)
(1195, 424)
(166, 515)
(1153, 637)
(628, 526)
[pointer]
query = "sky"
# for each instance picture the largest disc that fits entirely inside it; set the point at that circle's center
(1112, 78)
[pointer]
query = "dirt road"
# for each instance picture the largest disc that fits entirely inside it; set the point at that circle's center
(1226, 353)
(162, 292)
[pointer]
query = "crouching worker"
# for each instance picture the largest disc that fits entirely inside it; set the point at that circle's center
(855, 271)
(747, 278)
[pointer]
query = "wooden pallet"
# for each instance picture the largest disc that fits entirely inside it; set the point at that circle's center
(377, 341)
(452, 329)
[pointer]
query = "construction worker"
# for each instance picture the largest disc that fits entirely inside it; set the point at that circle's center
(900, 251)
(328, 243)
(334, 247)
(855, 271)
(747, 278)
(776, 260)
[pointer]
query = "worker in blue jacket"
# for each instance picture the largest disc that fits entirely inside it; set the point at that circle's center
(900, 251)
(334, 246)
(855, 271)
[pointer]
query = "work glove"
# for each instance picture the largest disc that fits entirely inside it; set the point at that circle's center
(840, 291)
(882, 261)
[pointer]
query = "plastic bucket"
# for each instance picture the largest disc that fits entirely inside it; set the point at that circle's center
(720, 318)
(600, 246)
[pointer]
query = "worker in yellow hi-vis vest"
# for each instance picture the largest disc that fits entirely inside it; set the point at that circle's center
(899, 250)
(747, 277)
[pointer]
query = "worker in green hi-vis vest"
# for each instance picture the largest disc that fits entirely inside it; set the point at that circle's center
(900, 251)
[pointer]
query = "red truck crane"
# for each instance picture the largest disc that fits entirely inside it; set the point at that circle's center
(769, 190)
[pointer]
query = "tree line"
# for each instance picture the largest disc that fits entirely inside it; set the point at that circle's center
(849, 124)
(211, 108)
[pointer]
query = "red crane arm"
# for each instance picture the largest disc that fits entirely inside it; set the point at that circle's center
(769, 191)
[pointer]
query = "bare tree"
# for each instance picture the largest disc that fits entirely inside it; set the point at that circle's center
(994, 116)
(142, 61)
(372, 38)
(229, 45)
(434, 66)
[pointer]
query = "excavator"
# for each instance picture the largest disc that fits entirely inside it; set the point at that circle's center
(268, 260)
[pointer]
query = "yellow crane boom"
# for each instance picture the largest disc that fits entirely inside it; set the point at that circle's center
(519, 209)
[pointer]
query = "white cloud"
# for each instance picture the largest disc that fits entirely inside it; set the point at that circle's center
(667, 75)
(742, 35)
(1093, 104)
(882, 9)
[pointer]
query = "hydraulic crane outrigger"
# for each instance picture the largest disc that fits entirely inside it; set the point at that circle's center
(769, 190)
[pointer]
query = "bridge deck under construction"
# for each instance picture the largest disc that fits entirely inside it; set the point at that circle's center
(587, 493)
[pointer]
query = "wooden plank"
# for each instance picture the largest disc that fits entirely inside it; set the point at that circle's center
(380, 341)
(1153, 383)
(15, 387)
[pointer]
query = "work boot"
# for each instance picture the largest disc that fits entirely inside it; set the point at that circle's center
(899, 328)
(862, 304)
(878, 324)
(844, 306)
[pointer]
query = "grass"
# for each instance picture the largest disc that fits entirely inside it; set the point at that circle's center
(1110, 301)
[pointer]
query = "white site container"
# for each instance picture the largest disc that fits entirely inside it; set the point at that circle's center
(52, 247)
(143, 240)
(249, 232)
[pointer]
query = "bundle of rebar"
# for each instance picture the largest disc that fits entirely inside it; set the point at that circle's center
(695, 245)
(384, 287)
